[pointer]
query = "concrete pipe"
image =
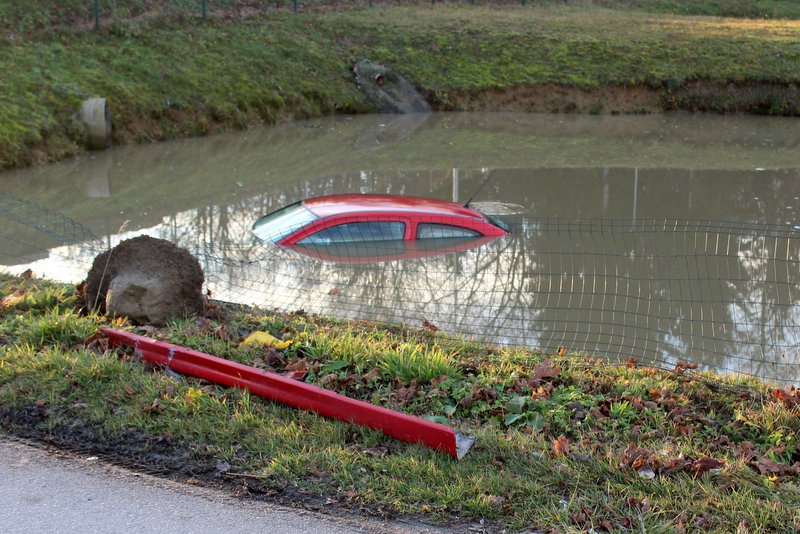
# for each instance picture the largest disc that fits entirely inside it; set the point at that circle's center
(97, 122)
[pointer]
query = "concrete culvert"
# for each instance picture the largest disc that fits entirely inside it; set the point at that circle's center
(97, 122)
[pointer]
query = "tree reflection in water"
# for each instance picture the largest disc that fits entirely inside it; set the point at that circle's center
(720, 294)
(658, 290)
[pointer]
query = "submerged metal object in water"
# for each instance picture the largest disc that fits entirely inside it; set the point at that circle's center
(387, 90)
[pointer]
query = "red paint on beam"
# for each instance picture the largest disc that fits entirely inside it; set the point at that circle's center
(299, 394)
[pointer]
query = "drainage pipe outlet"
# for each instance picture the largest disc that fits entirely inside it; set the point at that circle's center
(97, 122)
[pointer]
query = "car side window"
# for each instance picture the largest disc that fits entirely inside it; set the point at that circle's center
(439, 231)
(357, 232)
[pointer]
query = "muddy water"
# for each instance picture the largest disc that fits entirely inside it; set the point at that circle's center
(662, 238)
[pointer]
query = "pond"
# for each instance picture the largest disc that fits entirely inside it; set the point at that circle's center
(662, 238)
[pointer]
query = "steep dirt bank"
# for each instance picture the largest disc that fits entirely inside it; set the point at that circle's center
(752, 97)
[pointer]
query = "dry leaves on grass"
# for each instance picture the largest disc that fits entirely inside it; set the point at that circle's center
(561, 446)
(545, 370)
(790, 398)
(767, 466)
(9, 301)
(429, 325)
(647, 463)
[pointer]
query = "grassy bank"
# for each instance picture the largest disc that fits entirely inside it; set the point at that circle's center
(564, 443)
(170, 73)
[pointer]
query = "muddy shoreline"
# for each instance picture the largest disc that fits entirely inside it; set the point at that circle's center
(758, 98)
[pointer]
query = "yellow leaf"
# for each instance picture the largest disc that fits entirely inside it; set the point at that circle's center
(259, 338)
(9, 301)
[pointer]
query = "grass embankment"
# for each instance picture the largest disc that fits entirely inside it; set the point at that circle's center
(563, 443)
(168, 73)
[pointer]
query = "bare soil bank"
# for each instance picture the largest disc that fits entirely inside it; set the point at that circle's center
(749, 97)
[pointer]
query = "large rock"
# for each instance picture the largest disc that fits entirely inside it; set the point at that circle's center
(146, 279)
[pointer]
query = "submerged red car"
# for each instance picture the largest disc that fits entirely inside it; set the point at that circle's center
(342, 219)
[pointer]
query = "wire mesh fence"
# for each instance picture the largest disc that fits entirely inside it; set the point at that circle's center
(661, 291)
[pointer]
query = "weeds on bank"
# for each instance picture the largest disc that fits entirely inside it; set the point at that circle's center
(563, 442)
(167, 75)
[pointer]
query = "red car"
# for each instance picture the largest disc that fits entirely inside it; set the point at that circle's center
(342, 219)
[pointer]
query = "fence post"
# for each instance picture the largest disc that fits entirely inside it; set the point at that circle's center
(205, 11)
(96, 15)
(295, 5)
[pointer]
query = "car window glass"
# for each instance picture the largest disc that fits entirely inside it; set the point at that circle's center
(439, 231)
(283, 222)
(357, 232)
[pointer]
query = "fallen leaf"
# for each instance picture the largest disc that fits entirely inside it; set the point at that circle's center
(259, 338)
(377, 452)
(495, 500)
(373, 374)
(129, 390)
(561, 446)
(790, 398)
(429, 325)
(299, 365)
(295, 375)
(767, 466)
(682, 366)
(561, 351)
(631, 363)
(703, 464)
(153, 407)
(317, 473)
(546, 370)
(9, 301)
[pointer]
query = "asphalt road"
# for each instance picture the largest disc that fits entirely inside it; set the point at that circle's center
(41, 492)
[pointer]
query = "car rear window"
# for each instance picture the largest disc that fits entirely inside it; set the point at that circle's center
(357, 232)
(443, 231)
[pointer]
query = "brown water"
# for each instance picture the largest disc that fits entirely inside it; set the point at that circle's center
(662, 238)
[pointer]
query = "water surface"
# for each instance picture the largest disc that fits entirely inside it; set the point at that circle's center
(663, 238)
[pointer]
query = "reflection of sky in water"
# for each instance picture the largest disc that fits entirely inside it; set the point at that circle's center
(602, 260)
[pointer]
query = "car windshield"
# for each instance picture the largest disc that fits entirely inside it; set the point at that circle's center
(498, 222)
(279, 224)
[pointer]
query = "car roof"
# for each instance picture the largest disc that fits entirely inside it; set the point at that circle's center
(344, 204)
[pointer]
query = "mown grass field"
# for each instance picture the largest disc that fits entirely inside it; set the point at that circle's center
(167, 72)
(564, 443)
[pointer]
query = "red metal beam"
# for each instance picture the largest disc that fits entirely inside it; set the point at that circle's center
(299, 394)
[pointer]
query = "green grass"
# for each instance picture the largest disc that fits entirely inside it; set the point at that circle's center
(167, 75)
(563, 443)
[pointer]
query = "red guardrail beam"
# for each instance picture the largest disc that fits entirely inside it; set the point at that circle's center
(299, 394)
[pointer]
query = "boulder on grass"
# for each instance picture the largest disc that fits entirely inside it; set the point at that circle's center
(146, 279)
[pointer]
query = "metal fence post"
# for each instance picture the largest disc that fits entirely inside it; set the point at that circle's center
(205, 11)
(96, 15)
(295, 5)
